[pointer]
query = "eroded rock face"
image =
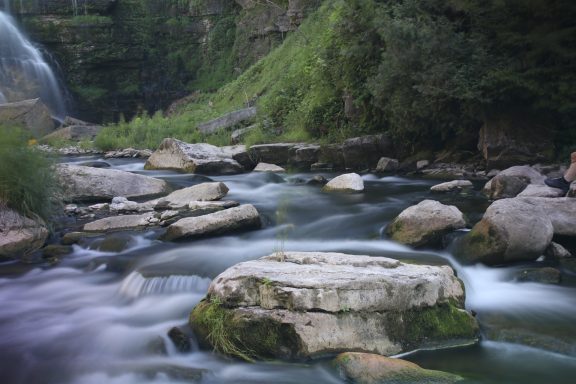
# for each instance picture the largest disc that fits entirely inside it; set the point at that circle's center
(31, 115)
(349, 182)
(228, 220)
(369, 368)
(81, 184)
(19, 235)
(364, 152)
(510, 230)
(192, 158)
(307, 304)
(425, 223)
(514, 138)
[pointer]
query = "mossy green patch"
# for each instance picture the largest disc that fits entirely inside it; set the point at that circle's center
(234, 333)
(431, 326)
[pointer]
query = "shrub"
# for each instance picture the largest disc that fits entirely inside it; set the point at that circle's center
(27, 181)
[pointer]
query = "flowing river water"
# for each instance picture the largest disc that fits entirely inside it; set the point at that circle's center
(101, 315)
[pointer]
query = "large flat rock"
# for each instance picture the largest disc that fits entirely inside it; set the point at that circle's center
(228, 220)
(81, 184)
(307, 304)
(201, 192)
(193, 158)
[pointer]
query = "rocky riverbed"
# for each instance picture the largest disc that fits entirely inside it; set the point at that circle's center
(274, 266)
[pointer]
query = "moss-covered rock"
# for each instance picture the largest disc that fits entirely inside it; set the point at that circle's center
(299, 305)
(366, 368)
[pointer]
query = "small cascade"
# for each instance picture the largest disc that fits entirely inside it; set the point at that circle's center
(24, 74)
(135, 285)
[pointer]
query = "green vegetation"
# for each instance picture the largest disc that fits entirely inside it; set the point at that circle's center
(90, 20)
(424, 72)
(216, 321)
(27, 182)
(442, 322)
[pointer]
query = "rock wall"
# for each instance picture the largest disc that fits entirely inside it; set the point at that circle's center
(121, 57)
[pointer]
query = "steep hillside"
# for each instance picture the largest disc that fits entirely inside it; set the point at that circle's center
(430, 74)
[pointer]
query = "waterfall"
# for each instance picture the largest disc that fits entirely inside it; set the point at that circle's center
(24, 74)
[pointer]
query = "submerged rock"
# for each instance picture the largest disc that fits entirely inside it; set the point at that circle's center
(192, 158)
(349, 182)
(368, 368)
(228, 220)
(425, 223)
(96, 184)
(19, 235)
(309, 304)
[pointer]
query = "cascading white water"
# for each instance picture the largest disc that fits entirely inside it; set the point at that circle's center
(24, 74)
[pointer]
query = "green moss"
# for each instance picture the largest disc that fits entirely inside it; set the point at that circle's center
(431, 326)
(237, 334)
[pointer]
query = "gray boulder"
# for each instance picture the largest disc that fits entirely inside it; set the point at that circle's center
(31, 115)
(228, 220)
(74, 133)
(369, 368)
(308, 304)
(425, 223)
(302, 157)
(123, 223)
(228, 120)
(240, 154)
(511, 181)
(349, 183)
(80, 184)
(331, 156)
(451, 186)
(278, 153)
(265, 167)
(364, 152)
(537, 190)
(183, 197)
(510, 230)
(192, 158)
(560, 211)
(122, 204)
(386, 164)
(19, 235)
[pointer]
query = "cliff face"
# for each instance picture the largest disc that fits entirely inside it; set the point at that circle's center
(119, 57)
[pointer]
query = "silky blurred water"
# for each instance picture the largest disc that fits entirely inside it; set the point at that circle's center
(103, 317)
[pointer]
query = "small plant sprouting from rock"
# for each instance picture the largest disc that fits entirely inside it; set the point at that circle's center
(282, 231)
(266, 282)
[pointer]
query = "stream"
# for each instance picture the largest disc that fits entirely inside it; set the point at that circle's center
(101, 315)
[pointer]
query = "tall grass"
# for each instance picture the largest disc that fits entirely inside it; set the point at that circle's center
(27, 180)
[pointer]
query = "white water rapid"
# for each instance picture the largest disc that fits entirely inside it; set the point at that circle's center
(24, 74)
